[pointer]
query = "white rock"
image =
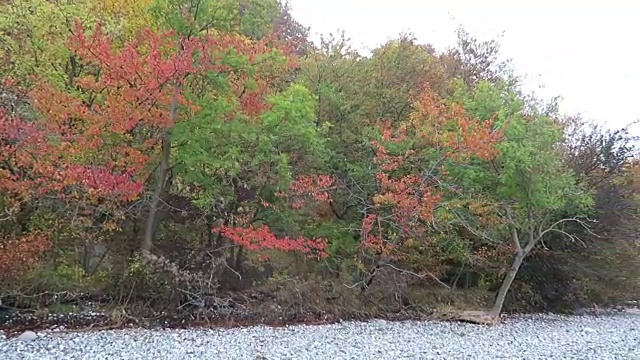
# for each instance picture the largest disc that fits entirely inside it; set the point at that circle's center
(28, 336)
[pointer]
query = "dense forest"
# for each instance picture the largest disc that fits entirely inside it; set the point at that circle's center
(206, 157)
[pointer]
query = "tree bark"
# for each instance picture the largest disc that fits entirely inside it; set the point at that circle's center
(506, 284)
(71, 71)
(163, 171)
(534, 236)
(521, 253)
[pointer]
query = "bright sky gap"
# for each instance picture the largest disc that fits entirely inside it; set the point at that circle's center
(587, 54)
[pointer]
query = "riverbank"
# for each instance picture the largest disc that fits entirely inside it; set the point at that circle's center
(611, 335)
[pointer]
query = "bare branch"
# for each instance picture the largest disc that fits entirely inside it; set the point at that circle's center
(422, 276)
(234, 271)
(8, 217)
(577, 220)
(514, 232)
(354, 285)
(473, 230)
(571, 237)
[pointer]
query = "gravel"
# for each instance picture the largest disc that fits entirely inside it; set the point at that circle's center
(611, 336)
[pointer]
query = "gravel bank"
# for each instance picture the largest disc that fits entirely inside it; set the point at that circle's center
(612, 336)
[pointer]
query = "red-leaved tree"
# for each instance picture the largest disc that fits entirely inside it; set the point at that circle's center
(304, 191)
(413, 183)
(96, 145)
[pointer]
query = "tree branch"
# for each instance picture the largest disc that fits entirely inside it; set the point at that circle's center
(514, 233)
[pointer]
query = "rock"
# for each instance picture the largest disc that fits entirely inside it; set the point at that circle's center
(93, 255)
(28, 336)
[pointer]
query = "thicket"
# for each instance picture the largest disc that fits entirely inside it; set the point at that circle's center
(205, 156)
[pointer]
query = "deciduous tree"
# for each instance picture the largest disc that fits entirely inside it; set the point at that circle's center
(529, 181)
(413, 179)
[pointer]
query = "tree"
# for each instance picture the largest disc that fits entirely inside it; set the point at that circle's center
(604, 161)
(529, 181)
(33, 35)
(474, 61)
(290, 30)
(97, 146)
(254, 158)
(259, 122)
(396, 73)
(354, 92)
(94, 148)
(125, 18)
(253, 19)
(413, 160)
(199, 120)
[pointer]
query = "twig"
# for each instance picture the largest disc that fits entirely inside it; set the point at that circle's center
(422, 276)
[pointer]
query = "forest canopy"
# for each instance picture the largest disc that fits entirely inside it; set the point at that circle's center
(185, 152)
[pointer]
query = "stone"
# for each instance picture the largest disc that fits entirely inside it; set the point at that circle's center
(28, 336)
(93, 255)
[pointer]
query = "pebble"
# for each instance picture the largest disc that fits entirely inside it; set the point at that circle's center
(612, 336)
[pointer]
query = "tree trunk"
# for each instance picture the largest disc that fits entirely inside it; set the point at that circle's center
(237, 265)
(163, 170)
(71, 72)
(506, 284)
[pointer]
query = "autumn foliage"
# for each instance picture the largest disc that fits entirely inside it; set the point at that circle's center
(258, 238)
(318, 188)
(409, 189)
(96, 145)
(22, 253)
(213, 137)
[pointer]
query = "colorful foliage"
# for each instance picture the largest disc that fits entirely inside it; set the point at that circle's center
(437, 136)
(21, 254)
(419, 160)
